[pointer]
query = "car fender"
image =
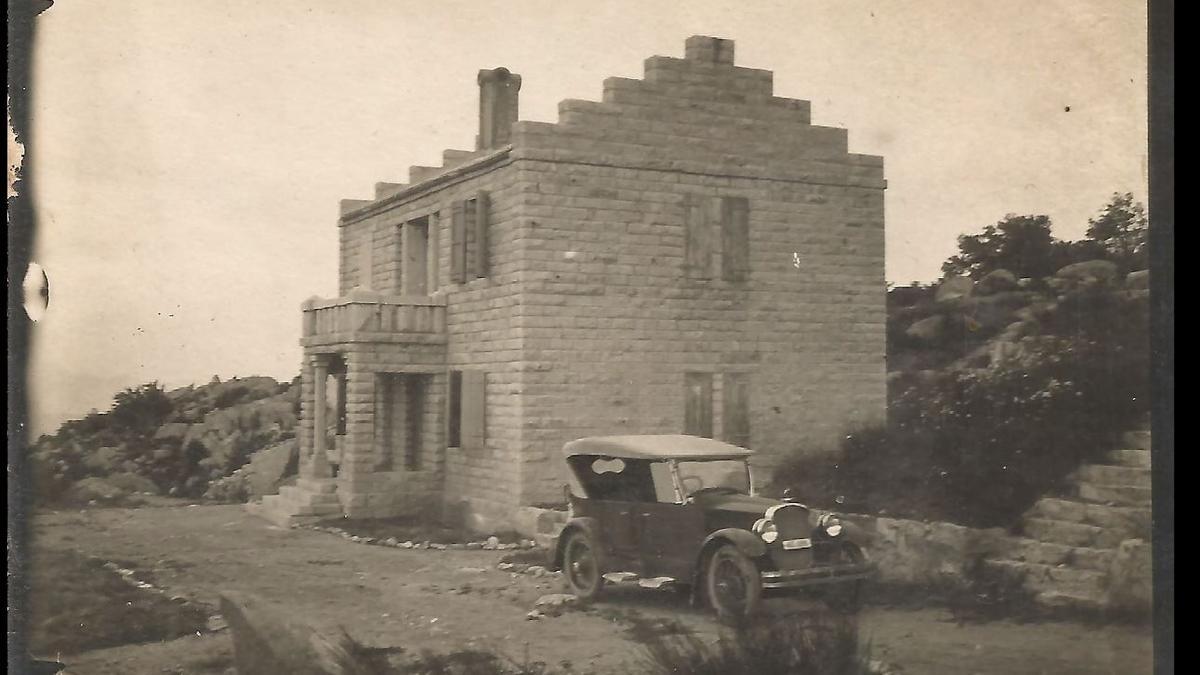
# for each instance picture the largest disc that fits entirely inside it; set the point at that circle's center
(855, 534)
(589, 526)
(750, 544)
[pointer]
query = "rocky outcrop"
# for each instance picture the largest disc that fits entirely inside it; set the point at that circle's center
(268, 640)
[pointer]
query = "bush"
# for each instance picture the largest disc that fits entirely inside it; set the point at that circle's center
(978, 447)
(140, 410)
(793, 645)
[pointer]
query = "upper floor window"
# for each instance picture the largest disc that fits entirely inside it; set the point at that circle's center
(717, 230)
(469, 238)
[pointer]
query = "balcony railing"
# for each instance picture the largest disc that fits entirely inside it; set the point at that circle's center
(363, 316)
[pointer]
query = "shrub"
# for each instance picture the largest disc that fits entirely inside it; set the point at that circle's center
(230, 397)
(140, 410)
(792, 645)
(978, 447)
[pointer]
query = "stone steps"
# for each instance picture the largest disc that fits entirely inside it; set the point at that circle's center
(307, 502)
(1132, 521)
(1047, 553)
(1087, 601)
(1061, 579)
(1109, 474)
(1137, 439)
(1071, 542)
(1131, 457)
(1067, 533)
(1123, 495)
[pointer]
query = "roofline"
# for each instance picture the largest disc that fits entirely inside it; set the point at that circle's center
(430, 184)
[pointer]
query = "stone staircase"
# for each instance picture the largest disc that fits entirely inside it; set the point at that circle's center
(308, 501)
(1070, 542)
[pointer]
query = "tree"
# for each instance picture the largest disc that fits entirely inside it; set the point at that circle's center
(1121, 230)
(1022, 245)
(140, 409)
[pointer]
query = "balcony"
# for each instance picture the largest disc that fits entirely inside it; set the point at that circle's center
(365, 316)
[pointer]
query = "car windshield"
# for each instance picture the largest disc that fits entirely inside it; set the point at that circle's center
(729, 474)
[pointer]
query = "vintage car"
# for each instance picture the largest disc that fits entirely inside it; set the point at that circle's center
(681, 510)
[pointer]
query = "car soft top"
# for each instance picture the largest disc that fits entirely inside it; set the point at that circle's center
(654, 446)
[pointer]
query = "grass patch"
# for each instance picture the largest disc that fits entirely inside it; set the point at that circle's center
(793, 645)
(77, 605)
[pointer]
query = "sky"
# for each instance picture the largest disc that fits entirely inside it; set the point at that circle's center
(188, 157)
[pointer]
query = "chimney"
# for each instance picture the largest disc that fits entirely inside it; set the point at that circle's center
(710, 49)
(498, 91)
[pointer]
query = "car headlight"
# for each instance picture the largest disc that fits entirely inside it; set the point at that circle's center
(831, 524)
(766, 529)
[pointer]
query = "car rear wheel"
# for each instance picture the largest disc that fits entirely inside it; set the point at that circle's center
(733, 584)
(581, 568)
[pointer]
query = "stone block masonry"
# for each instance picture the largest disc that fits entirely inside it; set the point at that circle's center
(687, 254)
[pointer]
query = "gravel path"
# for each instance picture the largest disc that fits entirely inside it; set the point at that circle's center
(457, 599)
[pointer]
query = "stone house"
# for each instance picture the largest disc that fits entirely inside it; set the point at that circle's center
(689, 254)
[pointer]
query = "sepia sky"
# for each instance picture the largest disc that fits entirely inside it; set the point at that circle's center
(189, 156)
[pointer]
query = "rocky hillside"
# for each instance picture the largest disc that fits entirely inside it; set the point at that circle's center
(223, 440)
(998, 389)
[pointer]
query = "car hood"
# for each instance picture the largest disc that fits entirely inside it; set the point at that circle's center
(736, 503)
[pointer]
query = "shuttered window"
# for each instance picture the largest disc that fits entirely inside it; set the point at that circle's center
(474, 385)
(735, 416)
(735, 238)
(454, 414)
(698, 239)
(698, 404)
(469, 225)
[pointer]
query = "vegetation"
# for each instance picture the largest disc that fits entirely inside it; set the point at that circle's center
(976, 434)
(1025, 246)
(164, 442)
(791, 645)
(84, 606)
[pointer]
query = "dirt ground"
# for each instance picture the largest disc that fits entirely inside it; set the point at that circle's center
(457, 599)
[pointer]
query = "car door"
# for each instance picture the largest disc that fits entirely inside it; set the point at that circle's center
(669, 538)
(617, 520)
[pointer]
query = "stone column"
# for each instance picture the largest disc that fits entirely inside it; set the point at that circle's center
(318, 465)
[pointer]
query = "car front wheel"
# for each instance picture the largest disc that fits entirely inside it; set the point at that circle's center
(581, 568)
(733, 584)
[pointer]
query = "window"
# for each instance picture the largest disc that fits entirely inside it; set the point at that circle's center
(454, 415)
(735, 238)
(702, 215)
(414, 247)
(736, 408)
(698, 237)
(469, 238)
(466, 419)
(698, 404)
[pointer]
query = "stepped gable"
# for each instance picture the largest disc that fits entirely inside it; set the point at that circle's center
(665, 121)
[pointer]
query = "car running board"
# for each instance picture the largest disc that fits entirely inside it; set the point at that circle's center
(624, 577)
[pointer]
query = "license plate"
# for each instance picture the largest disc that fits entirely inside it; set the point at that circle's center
(796, 544)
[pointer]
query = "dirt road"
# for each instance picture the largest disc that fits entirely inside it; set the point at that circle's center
(453, 600)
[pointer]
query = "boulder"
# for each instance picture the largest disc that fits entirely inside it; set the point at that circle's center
(93, 489)
(1130, 577)
(954, 288)
(1089, 271)
(929, 329)
(131, 482)
(103, 460)
(1139, 280)
(996, 281)
(266, 639)
(268, 467)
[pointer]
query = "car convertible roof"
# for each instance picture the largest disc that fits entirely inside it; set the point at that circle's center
(661, 446)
